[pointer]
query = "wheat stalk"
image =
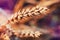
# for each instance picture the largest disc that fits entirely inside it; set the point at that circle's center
(22, 15)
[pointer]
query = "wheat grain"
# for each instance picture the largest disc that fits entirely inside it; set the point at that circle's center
(25, 13)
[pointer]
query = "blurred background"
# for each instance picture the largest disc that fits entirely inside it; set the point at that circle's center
(50, 22)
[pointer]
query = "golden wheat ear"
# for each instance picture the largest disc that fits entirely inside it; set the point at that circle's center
(25, 15)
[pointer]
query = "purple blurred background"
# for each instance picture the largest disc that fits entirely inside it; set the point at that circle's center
(7, 4)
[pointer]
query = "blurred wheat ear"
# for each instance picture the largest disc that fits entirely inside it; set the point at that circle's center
(42, 37)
